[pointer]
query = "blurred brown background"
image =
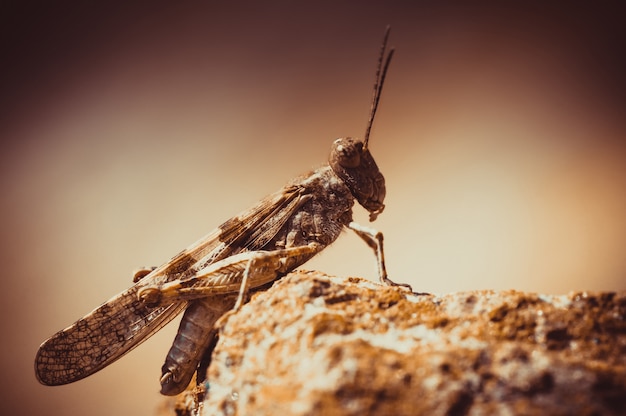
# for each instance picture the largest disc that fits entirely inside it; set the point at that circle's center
(130, 131)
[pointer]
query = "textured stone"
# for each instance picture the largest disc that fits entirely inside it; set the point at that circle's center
(319, 345)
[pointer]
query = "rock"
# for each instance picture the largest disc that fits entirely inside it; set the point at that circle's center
(319, 345)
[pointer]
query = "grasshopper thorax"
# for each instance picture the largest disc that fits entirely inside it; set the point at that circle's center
(353, 163)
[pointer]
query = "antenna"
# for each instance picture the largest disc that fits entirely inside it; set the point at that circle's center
(378, 84)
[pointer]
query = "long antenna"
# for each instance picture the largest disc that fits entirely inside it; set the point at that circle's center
(378, 84)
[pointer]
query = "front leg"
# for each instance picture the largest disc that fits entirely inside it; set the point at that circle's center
(374, 239)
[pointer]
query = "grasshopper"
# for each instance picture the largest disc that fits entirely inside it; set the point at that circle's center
(213, 276)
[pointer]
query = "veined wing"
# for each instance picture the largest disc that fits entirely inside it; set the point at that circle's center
(101, 337)
(249, 231)
(123, 322)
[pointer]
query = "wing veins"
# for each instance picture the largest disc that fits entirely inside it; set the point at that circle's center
(123, 322)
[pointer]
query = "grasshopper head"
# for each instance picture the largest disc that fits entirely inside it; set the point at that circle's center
(353, 163)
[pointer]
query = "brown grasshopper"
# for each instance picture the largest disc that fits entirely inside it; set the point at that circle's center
(212, 276)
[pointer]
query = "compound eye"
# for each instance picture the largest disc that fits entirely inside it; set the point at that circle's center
(348, 155)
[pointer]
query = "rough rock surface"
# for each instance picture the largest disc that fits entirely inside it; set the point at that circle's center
(320, 345)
